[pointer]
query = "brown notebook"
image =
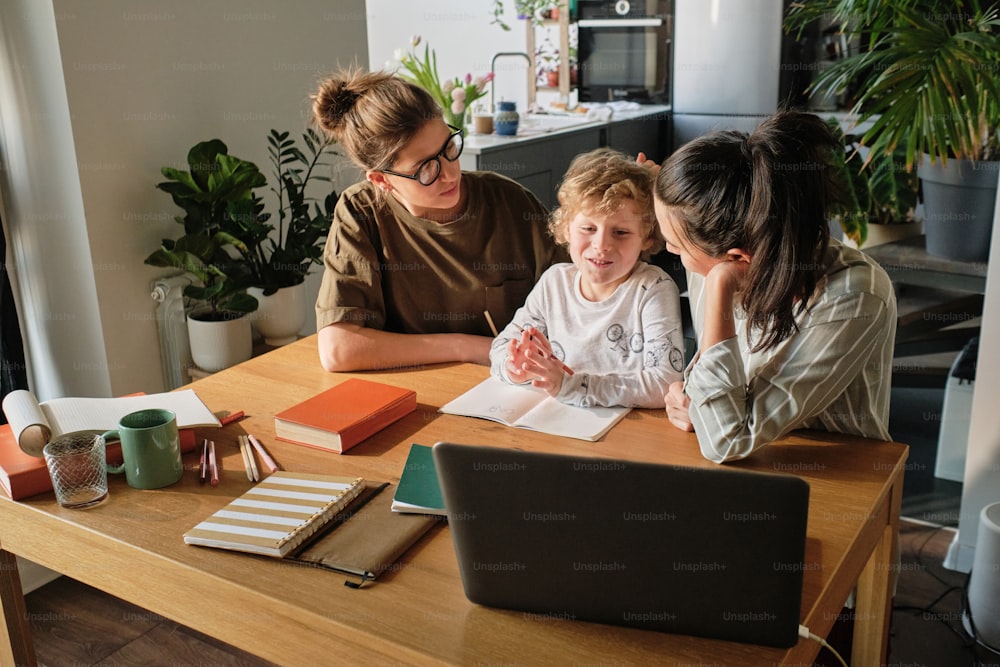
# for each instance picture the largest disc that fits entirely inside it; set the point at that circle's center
(368, 538)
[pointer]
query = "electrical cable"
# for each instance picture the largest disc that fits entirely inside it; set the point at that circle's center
(806, 634)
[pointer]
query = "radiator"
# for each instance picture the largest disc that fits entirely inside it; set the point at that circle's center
(175, 349)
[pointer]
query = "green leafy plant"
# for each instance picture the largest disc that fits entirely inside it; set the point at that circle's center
(222, 219)
(531, 10)
(879, 190)
(927, 72)
(284, 259)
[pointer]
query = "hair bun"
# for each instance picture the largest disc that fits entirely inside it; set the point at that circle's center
(334, 100)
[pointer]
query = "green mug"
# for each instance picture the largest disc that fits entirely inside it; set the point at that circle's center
(151, 448)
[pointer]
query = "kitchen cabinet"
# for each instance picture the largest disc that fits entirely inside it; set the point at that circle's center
(539, 155)
(539, 162)
(647, 134)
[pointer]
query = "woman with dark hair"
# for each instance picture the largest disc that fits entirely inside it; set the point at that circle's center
(419, 251)
(795, 329)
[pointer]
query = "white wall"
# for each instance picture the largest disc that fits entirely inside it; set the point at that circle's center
(981, 485)
(145, 82)
(49, 250)
(459, 31)
(130, 87)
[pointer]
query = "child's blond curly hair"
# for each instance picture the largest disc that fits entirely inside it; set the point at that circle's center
(601, 181)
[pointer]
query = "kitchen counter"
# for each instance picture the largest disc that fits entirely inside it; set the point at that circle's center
(538, 156)
(537, 127)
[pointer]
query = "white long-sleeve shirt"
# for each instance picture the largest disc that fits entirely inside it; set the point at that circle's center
(624, 350)
(834, 374)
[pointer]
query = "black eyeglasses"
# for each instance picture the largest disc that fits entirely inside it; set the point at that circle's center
(430, 169)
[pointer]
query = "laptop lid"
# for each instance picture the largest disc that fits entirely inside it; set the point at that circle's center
(712, 552)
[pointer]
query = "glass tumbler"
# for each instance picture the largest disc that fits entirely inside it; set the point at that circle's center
(76, 463)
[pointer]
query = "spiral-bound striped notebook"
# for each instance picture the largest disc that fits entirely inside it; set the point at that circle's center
(277, 515)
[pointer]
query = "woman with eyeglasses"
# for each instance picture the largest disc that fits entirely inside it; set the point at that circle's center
(419, 252)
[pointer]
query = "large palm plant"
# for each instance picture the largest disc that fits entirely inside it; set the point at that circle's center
(927, 71)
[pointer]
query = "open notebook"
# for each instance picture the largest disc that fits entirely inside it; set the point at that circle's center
(524, 406)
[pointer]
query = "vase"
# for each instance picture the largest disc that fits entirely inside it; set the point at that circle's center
(280, 316)
(219, 340)
(456, 119)
(506, 118)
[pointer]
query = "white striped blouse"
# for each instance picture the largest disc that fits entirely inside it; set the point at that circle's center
(833, 374)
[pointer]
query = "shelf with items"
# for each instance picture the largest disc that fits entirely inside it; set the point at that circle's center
(547, 57)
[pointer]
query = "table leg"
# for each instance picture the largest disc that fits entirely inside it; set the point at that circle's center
(16, 648)
(876, 587)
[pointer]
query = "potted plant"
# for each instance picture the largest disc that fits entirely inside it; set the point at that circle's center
(547, 64)
(220, 214)
(281, 261)
(881, 194)
(927, 79)
(535, 11)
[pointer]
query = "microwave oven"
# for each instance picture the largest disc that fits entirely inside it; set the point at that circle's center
(624, 50)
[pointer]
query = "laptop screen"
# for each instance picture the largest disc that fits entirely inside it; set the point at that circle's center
(711, 552)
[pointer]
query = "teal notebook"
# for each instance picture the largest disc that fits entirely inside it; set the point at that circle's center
(418, 490)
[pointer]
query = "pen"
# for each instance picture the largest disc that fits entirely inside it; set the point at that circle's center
(213, 465)
(231, 417)
(566, 369)
(203, 465)
(269, 462)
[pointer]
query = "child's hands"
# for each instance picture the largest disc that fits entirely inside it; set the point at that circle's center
(530, 358)
(517, 358)
(546, 369)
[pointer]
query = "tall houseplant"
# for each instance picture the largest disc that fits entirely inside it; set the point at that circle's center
(222, 219)
(927, 76)
(281, 261)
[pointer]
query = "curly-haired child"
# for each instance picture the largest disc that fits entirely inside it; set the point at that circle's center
(603, 330)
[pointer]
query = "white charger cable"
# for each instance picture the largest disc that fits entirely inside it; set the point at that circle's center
(806, 634)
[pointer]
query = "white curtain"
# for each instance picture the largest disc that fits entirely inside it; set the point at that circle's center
(50, 262)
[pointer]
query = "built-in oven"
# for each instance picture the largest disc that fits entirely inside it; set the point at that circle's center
(624, 50)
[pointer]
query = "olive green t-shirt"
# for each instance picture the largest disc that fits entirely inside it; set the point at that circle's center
(389, 270)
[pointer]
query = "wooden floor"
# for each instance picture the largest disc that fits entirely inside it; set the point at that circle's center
(76, 625)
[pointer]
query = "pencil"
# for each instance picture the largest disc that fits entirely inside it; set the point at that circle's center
(269, 462)
(253, 460)
(566, 369)
(489, 321)
(248, 461)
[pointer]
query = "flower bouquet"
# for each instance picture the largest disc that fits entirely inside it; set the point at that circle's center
(455, 96)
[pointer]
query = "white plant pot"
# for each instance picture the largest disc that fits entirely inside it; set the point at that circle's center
(216, 345)
(880, 234)
(280, 316)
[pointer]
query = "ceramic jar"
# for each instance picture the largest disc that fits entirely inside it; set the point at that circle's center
(506, 118)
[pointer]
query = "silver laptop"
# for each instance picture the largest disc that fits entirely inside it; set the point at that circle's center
(712, 552)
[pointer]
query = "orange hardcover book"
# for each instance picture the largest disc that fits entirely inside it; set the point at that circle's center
(342, 416)
(21, 474)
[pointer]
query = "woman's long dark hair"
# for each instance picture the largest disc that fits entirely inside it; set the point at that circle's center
(767, 193)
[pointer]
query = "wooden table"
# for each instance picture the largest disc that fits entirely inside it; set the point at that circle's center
(131, 545)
